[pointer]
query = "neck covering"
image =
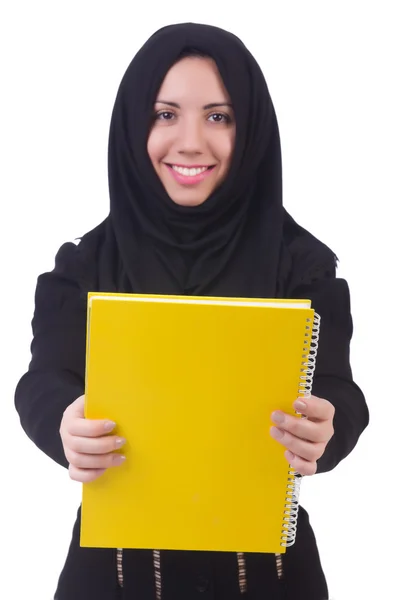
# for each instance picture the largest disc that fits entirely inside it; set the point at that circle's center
(231, 244)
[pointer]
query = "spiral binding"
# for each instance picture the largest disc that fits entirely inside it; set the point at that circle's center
(290, 519)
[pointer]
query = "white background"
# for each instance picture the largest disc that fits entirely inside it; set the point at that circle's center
(331, 69)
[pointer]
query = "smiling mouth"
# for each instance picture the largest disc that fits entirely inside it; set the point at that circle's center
(192, 171)
(189, 176)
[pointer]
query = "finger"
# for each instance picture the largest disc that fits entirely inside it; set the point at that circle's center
(84, 475)
(312, 431)
(307, 450)
(301, 466)
(314, 408)
(75, 423)
(94, 461)
(82, 427)
(98, 445)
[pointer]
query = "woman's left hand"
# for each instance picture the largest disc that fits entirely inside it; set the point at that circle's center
(305, 439)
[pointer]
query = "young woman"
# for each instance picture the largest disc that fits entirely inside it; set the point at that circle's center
(195, 208)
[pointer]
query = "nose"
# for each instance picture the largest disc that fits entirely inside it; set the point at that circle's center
(191, 138)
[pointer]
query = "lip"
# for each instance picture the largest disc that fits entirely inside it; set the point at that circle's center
(189, 180)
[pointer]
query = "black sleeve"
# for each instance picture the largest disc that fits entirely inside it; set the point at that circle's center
(333, 378)
(55, 377)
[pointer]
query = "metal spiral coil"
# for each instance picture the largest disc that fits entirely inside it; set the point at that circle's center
(309, 356)
(290, 518)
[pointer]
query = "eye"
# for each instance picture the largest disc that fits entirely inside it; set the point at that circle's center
(164, 115)
(220, 118)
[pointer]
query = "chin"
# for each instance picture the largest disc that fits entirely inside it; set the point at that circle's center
(185, 202)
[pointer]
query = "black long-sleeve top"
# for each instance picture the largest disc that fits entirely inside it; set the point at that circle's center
(55, 378)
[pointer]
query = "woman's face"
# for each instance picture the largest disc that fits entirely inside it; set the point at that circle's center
(192, 138)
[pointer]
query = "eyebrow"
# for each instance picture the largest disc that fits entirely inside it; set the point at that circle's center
(206, 107)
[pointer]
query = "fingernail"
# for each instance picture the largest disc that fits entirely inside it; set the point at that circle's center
(276, 433)
(289, 455)
(118, 459)
(119, 442)
(109, 425)
(300, 405)
(278, 417)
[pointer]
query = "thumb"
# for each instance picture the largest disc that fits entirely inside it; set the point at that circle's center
(76, 409)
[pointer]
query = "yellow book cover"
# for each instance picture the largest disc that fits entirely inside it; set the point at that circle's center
(191, 384)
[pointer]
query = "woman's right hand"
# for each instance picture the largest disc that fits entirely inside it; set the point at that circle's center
(88, 447)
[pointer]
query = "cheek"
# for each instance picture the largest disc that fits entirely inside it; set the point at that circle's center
(156, 146)
(226, 147)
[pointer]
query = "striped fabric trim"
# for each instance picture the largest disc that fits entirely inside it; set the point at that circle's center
(242, 572)
(157, 573)
(241, 564)
(119, 563)
(279, 566)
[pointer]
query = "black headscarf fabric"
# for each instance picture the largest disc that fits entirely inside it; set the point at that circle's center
(232, 244)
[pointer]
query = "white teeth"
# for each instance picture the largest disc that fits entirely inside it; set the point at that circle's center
(189, 172)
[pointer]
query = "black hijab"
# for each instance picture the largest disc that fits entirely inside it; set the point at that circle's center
(236, 242)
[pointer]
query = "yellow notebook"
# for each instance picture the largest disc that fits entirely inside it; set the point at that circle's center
(191, 383)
